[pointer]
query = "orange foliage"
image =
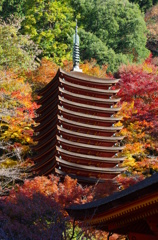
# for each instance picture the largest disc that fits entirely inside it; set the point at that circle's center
(17, 112)
(64, 193)
(91, 68)
(44, 74)
(43, 194)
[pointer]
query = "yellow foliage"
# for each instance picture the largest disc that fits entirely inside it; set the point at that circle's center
(8, 163)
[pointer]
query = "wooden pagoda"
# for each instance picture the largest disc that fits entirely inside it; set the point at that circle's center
(76, 131)
(76, 134)
(132, 212)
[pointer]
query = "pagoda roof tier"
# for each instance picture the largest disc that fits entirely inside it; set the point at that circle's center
(82, 179)
(46, 96)
(50, 85)
(86, 106)
(48, 111)
(45, 140)
(79, 76)
(45, 132)
(47, 121)
(88, 162)
(91, 89)
(45, 161)
(84, 173)
(90, 157)
(48, 156)
(82, 115)
(96, 147)
(47, 103)
(93, 99)
(116, 170)
(47, 169)
(43, 152)
(95, 127)
(90, 136)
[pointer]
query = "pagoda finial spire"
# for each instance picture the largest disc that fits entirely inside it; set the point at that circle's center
(76, 52)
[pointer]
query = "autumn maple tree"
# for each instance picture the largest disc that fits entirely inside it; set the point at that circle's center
(139, 96)
(35, 210)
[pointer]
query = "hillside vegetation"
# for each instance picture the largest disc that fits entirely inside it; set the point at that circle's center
(116, 37)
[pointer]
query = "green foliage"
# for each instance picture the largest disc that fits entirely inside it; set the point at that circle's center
(11, 7)
(119, 26)
(50, 24)
(112, 31)
(92, 47)
(16, 50)
(151, 18)
(145, 4)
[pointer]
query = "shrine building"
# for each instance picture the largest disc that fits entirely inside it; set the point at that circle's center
(132, 212)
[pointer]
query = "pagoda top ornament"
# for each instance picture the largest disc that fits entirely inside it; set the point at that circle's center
(76, 52)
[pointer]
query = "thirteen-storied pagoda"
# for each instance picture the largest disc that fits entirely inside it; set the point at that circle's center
(76, 134)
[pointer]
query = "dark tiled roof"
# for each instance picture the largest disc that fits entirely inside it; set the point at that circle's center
(144, 187)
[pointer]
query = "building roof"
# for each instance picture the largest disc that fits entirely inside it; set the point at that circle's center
(122, 212)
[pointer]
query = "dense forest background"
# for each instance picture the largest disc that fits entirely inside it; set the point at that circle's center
(117, 38)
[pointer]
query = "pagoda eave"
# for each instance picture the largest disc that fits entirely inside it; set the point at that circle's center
(89, 136)
(90, 157)
(94, 99)
(41, 164)
(81, 179)
(79, 114)
(50, 84)
(97, 147)
(88, 89)
(89, 168)
(85, 78)
(46, 122)
(89, 126)
(86, 106)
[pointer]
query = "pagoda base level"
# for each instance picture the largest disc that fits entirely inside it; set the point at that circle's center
(86, 180)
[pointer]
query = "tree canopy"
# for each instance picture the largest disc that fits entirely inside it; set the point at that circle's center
(16, 50)
(51, 25)
(112, 31)
(12, 7)
(145, 4)
(119, 27)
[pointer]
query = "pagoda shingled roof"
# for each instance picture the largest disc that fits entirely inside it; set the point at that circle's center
(89, 116)
(91, 89)
(87, 78)
(87, 180)
(96, 127)
(94, 108)
(90, 168)
(102, 100)
(81, 145)
(90, 157)
(90, 136)
(81, 108)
